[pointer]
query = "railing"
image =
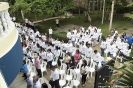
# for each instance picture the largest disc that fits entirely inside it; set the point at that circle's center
(5, 20)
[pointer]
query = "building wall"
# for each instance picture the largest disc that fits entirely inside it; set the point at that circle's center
(11, 62)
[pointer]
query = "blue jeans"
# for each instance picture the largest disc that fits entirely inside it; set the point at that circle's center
(102, 52)
(96, 67)
(73, 42)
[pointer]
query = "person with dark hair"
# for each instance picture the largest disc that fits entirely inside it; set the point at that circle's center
(29, 80)
(49, 57)
(88, 53)
(96, 56)
(73, 38)
(57, 23)
(84, 71)
(38, 66)
(36, 82)
(54, 82)
(72, 63)
(69, 34)
(129, 40)
(103, 46)
(67, 58)
(44, 85)
(77, 56)
(24, 69)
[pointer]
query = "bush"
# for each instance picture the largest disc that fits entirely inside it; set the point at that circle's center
(121, 9)
(41, 29)
(61, 36)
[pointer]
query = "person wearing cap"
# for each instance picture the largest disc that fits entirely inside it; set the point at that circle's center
(54, 82)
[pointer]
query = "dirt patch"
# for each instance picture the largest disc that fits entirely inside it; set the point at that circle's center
(66, 27)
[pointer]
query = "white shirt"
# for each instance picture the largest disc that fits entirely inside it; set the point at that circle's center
(37, 33)
(55, 75)
(96, 57)
(26, 20)
(126, 52)
(84, 69)
(32, 36)
(24, 50)
(57, 21)
(112, 49)
(82, 48)
(49, 57)
(75, 31)
(88, 52)
(69, 47)
(29, 54)
(30, 81)
(50, 31)
(37, 84)
(69, 35)
(43, 37)
(73, 37)
(57, 53)
(103, 45)
(43, 55)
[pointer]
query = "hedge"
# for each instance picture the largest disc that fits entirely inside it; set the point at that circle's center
(61, 36)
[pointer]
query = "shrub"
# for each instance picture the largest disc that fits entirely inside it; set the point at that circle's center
(121, 9)
(61, 36)
(41, 29)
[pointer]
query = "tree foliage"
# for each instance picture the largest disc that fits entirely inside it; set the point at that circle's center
(48, 7)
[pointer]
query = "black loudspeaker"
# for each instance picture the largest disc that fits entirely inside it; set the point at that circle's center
(102, 75)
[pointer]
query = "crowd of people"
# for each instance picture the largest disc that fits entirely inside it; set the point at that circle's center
(79, 46)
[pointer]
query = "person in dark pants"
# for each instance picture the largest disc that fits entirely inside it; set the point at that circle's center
(84, 72)
(38, 66)
(44, 85)
(24, 69)
(54, 82)
(72, 63)
(57, 23)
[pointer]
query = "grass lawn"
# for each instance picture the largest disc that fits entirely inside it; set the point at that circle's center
(118, 22)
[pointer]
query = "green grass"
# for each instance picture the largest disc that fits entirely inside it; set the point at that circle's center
(118, 22)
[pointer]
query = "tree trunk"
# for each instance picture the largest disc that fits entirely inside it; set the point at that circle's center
(22, 14)
(93, 5)
(88, 17)
(97, 4)
(100, 6)
(112, 12)
(103, 11)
